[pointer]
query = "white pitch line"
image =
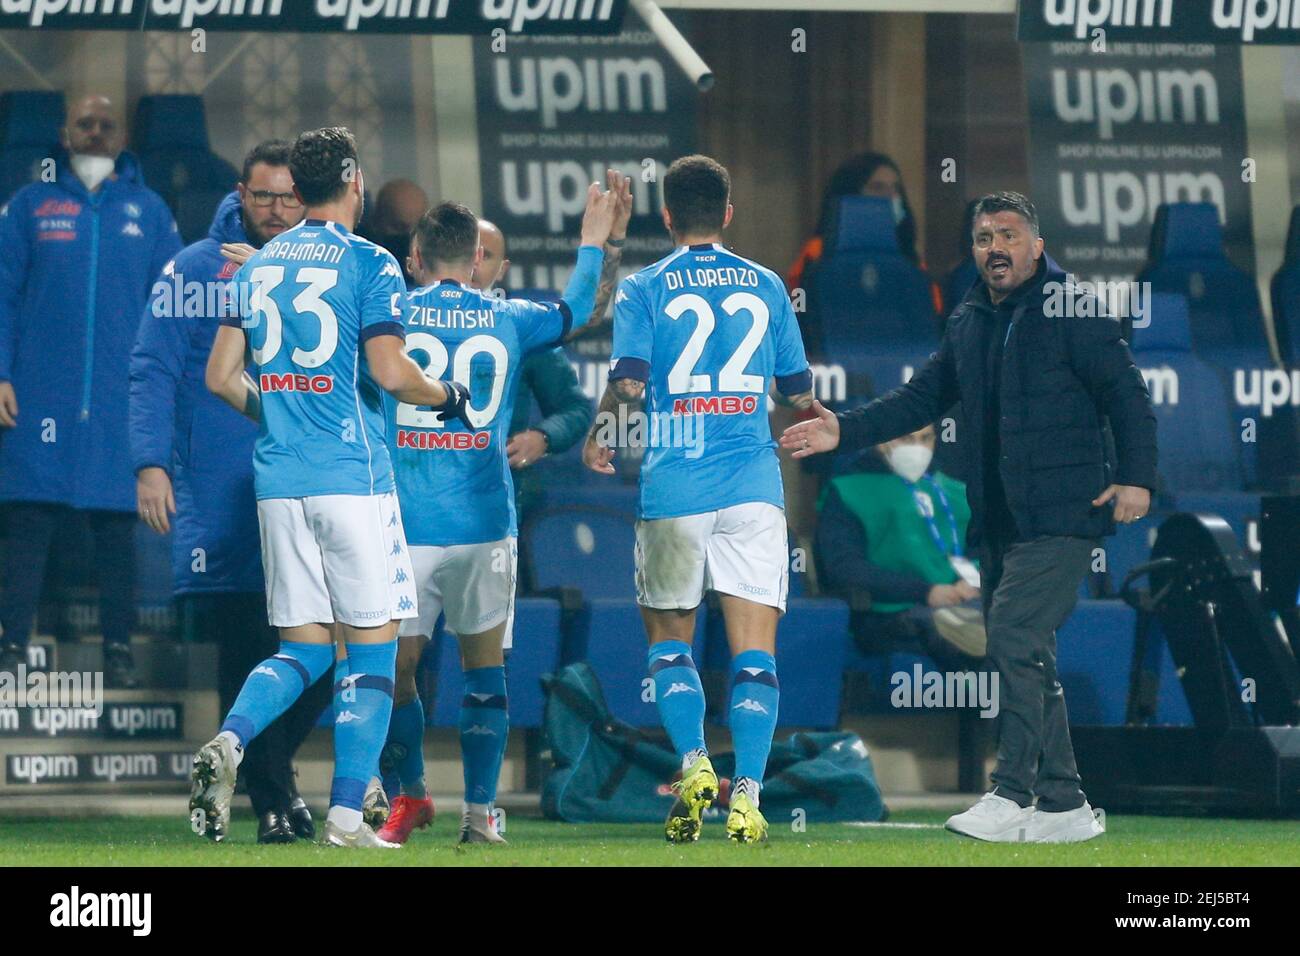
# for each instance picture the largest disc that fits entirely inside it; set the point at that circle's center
(886, 825)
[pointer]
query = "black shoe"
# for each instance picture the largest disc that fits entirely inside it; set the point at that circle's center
(12, 655)
(273, 826)
(300, 819)
(119, 668)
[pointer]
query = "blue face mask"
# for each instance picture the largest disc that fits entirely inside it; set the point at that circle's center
(900, 210)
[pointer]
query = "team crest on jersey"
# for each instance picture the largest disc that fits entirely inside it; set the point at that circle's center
(132, 210)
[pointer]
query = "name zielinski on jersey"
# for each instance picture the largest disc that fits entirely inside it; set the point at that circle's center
(436, 317)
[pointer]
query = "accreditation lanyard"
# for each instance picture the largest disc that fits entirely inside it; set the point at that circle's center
(926, 507)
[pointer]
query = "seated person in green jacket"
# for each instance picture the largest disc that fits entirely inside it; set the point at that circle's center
(891, 530)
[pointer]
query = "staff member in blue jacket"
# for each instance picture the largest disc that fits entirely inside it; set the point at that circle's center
(79, 254)
(193, 457)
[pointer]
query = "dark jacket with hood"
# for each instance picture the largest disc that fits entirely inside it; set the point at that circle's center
(1073, 415)
(181, 427)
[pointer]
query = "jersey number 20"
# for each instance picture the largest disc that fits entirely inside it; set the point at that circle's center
(414, 417)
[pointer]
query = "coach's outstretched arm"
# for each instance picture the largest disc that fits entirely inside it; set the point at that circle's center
(902, 411)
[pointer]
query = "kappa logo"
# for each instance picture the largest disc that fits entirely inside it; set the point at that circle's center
(400, 577)
(481, 731)
(269, 672)
(346, 717)
(133, 229)
(677, 688)
(751, 705)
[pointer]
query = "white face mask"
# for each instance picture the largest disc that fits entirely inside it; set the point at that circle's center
(900, 210)
(910, 461)
(93, 170)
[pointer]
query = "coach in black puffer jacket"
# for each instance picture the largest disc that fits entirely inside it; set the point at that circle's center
(1045, 450)
(1060, 444)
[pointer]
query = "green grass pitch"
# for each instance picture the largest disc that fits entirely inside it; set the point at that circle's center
(913, 838)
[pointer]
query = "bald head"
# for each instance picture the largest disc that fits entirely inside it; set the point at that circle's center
(93, 128)
(399, 206)
(494, 265)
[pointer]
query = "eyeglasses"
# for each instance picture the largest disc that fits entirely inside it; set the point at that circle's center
(263, 197)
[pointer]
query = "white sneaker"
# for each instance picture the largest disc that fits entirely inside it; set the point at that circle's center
(212, 785)
(995, 819)
(362, 838)
(1064, 826)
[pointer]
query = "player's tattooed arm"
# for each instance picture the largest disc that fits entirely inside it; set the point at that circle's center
(620, 187)
(598, 449)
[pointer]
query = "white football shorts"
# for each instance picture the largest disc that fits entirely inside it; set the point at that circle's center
(335, 558)
(740, 550)
(474, 584)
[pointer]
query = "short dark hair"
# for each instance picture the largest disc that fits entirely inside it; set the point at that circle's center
(696, 191)
(322, 163)
(447, 233)
(1015, 202)
(273, 152)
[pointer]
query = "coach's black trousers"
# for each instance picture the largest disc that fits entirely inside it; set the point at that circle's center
(31, 530)
(1029, 589)
(237, 624)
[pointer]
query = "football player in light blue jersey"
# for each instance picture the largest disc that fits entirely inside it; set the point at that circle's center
(320, 310)
(699, 338)
(456, 489)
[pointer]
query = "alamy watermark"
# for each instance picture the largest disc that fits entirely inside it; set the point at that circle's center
(77, 690)
(920, 688)
(681, 428)
(1086, 299)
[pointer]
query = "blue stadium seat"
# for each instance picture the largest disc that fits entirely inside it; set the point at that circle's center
(536, 652)
(1127, 548)
(171, 139)
(29, 133)
(616, 650)
(590, 549)
(1094, 660)
(874, 306)
(1186, 257)
(1199, 448)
